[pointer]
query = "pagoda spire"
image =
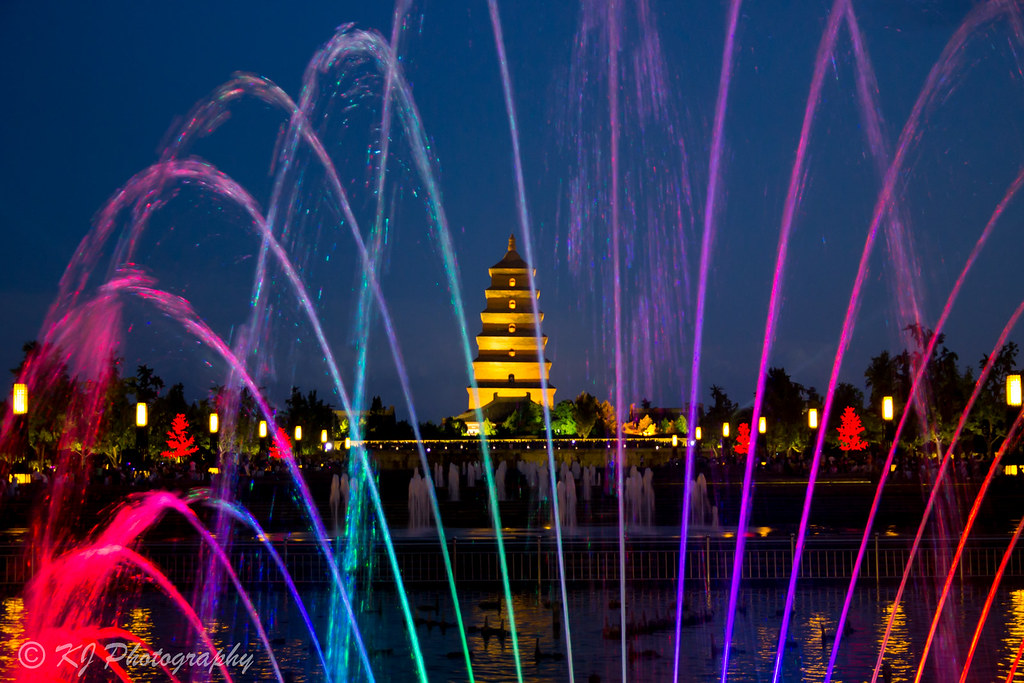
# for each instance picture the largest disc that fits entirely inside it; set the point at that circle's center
(511, 242)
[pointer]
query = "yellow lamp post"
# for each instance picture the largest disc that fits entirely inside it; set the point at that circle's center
(888, 413)
(19, 406)
(697, 433)
(1013, 399)
(762, 425)
(214, 427)
(725, 430)
(262, 432)
(675, 441)
(141, 420)
(812, 418)
(298, 432)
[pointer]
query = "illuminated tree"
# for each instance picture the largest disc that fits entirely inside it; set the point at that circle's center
(179, 443)
(563, 419)
(282, 433)
(850, 430)
(742, 439)
(646, 427)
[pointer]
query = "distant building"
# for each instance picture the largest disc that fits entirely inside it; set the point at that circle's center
(508, 365)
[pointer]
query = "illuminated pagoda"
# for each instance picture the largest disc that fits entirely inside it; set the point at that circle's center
(507, 367)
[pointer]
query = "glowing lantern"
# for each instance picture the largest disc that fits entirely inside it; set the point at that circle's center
(675, 440)
(697, 433)
(725, 430)
(214, 423)
(20, 402)
(263, 429)
(1013, 395)
(141, 414)
(762, 425)
(298, 432)
(887, 410)
(323, 436)
(812, 418)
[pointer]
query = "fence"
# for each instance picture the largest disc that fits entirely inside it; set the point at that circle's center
(535, 560)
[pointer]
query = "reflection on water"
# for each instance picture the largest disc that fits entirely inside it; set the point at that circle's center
(594, 618)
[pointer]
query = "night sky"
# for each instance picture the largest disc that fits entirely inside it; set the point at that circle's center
(92, 90)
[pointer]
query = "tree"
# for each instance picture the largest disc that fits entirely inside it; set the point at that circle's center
(742, 440)
(563, 419)
(850, 431)
(55, 393)
(588, 410)
(784, 402)
(608, 419)
(116, 434)
(146, 385)
(275, 452)
(646, 426)
(527, 419)
(313, 415)
(179, 443)
(991, 418)
(680, 425)
(722, 409)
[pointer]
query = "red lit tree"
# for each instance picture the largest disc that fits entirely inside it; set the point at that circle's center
(850, 430)
(742, 439)
(179, 443)
(283, 434)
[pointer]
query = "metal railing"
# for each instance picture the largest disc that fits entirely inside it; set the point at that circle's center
(708, 560)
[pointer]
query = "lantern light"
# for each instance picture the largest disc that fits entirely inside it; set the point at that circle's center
(887, 410)
(214, 423)
(725, 430)
(762, 425)
(1013, 390)
(697, 433)
(812, 418)
(675, 440)
(298, 432)
(20, 402)
(323, 436)
(141, 414)
(348, 443)
(263, 429)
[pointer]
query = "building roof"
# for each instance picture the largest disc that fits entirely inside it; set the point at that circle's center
(512, 258)
(497, 410)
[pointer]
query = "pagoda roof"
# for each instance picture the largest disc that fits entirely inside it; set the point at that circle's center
(497, 409)
(512, 258)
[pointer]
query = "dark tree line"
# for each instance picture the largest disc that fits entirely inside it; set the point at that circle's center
(935, 412)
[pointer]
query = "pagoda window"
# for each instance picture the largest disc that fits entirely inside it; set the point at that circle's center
(511, 282)
(511, 379)
(512, 304)
(511, 353)
(511, 328)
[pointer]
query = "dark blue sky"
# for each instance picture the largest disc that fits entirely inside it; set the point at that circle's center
(91, 91)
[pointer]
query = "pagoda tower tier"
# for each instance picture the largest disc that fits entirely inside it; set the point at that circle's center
(507, 363)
